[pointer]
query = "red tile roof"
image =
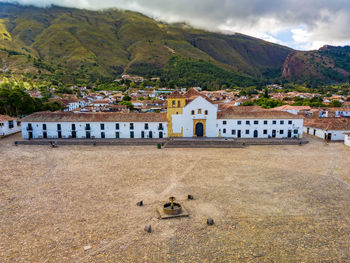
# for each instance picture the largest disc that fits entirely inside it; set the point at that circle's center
(94, 117)
(6, 118)
(336, 124)
(230, 114)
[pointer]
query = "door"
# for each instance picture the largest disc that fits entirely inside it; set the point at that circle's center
(150, 134)
(30, 134)
(308, 130)
(289, 133)
(45, 135)
(255, 134)
(329, 137)
(142, 134)
(199, 129)
(273, 133)
(74, 134)
(59, 135)
(88, 135)
(160, 135)
(239, 134)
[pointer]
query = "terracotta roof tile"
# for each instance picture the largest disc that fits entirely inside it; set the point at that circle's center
(7, 118)
(340, 124)
(95, 117)
(256, 115)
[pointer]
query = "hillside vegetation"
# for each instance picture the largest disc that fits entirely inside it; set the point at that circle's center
(65, 45)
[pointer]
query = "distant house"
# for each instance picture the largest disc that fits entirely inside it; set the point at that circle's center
(293, 109)
(9, 125)
(330, 129)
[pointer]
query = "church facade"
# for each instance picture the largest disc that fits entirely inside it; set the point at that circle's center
(189, 115)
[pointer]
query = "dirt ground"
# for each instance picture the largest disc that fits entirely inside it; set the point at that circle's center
(269, 203)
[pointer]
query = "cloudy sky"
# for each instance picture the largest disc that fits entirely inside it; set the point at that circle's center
(301, 24)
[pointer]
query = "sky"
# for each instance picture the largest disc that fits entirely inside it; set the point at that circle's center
(300, 24)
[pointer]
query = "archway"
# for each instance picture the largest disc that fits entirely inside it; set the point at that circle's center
(199, 129)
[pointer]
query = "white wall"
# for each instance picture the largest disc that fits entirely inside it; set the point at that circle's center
(230, 125)
(347, 140)
(336, 135)
(95, 130)
(6, 130)
(185, 120)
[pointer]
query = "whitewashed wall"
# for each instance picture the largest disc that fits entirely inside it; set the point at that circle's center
(185, 120)
(297, 124)
(347, 140)
(6, 130)
(336, 135)
(95, 130)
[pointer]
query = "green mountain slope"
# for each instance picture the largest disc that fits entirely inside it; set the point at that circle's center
(72, 45)
(105, 44)
(328, 64)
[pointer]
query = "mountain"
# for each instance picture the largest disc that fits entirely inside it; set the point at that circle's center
(328, 64)
(72, 45)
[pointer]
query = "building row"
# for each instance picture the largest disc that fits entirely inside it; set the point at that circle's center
(188, 115)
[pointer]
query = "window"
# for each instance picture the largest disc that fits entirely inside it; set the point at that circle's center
(102, 125)
(281, 122)
(265, 122)
(233, 132)
(30, 127)
(295, 131)
(290, 122)
(117, 126)
(146, 126)
(224, 122)
(117, 135)
(44, 126)
(247, 122)
(103, 135)
(265, 131)
(178, 104)
(274, 122)
(10, 124)
(87, 127)
(206, 112)
(192, 112)
(174, 103)
(131, 126)
(281, 131)
(59, 127)
(256, 122)
(160, 127)
(239, 122)
(224, 131)
(1, 124)
(131, 134)
(246, 131)
(73, 127)
(199, 111)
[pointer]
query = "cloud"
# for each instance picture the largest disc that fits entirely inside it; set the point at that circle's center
(310, 23)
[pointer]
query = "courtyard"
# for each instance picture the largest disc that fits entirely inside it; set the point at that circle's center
(269, 203)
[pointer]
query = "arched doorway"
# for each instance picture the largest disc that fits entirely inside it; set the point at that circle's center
(199, 129)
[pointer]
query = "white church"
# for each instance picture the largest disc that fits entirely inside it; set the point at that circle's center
(189, 115)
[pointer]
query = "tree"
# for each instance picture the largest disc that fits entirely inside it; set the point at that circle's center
(335, 103)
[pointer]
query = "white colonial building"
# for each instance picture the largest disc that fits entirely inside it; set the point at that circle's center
(188, 115)
(330, 129)
(9, 125)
